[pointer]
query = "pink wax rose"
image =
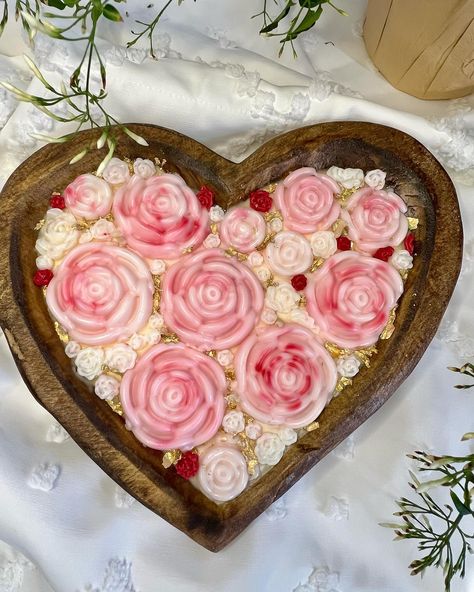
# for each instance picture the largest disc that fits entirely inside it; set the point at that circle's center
(211, 301)
(173, 397)
(88, 197)
(160, 216)
(375, 219)
(284, 376)
(101, 293)
(242, 228)
(350, 297)
(306, 200)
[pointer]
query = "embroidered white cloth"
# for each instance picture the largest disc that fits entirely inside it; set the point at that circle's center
(64, 524)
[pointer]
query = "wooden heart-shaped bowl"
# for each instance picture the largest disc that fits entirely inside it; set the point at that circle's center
(413, 173)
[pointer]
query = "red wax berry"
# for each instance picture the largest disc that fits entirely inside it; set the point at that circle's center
(261, 201)
(343, 243)
(188, 465)
(384, 253)
(409, 243)
(299, 282)
(57, 201)
(205, 197)
(42, 277)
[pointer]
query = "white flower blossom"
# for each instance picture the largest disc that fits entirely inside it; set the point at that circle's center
(120, 357)
(103, 230)
(216, 214)
(348, 178)
(116, 171)
(282, 298)
(233, 422)
(211, 241)
(225, 357)
(137, 341)
(154, 337)
(253, 431)
(263, 274)
(288, 436)
(43, 262)
(301, 316)
(89, 362)
(276, 225)
(72, 348)
(401, 260)
(323, 243)
(144, 168)
(255, 259)
(269, 449)
(348, 366)
(269, 316)
(375, 179)
(85, 237)
(58, 234)
(156, 321)
(157, 266)
(106, 387)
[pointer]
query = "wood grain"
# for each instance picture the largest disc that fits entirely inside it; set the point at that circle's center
(413, 173)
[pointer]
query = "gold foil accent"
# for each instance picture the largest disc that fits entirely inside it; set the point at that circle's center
(187, 250)
(62, 334)
(109, 217)
(234, 253)
(156, 293)
(214, 228)
(160, 166)
(403, 273)
(412, 223)
(247, 449)
(212, 353)
(342, 383)
(302, 302)
(229, 373)
(169, 338)
(312, 426)
(39, 224)
(346, 193)
(268, 239)
(231, 402)
(335, 350)
(276, 215)
(270, 282)
(270, 188)
(338, 226)
(317, 262)
(170, 458)
(115, 405)
(390, 326)
(365, 354)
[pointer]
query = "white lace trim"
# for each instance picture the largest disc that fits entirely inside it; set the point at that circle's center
(117, 578)
(13, 566)
(277, 511)
(44, 476)
(321, 579)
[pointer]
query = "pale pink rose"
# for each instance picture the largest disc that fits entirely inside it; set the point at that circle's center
(350, 297)
(284, 376)
(242, 228)
(173, 397)
(210, 300)
(101, 293)
(222, 472)
(306, 200)
(375, 219)
(160, 216)
(88, 197)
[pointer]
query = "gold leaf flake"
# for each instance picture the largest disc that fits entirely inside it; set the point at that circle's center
(270, 188)
(40, 224)
(403, 273)
(229, 373)
(390, 326)
(116, 405)
(251, 466)
(268, 239)
(346, 193)
(317, 262)
(170, 458)
(302, 302)
(62, 334)
(334, 350)
(212, 353)
(338, 226)
(156, 293)
(276, 215)
(231, 402)
(214, 228)
(312, 426)
(412, 223)
(110, 217)
(248, 451)
(365, 354)
(170, 338)
(234, 253)
(342, 383)
(187, 250)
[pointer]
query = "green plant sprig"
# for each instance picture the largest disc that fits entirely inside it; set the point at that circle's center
(440, 529)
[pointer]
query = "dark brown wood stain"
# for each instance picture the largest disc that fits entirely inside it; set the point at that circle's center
(411, 170)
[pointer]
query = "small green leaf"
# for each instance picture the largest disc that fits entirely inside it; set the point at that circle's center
(460, 507)
(112, 13)
(468, 436)
(55, 4)
(309, 20)
(274, 24)
(4, 20)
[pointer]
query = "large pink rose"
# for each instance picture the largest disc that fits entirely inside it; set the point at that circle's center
(306, 200)
(242, 228)
(160, 216)
(375, 219)
(284, 376)
(210, 300)
(173, 397)
(350, 297)
(101, 293)
(88, 197)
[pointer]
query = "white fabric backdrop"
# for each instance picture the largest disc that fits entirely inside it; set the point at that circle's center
(64, 524)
